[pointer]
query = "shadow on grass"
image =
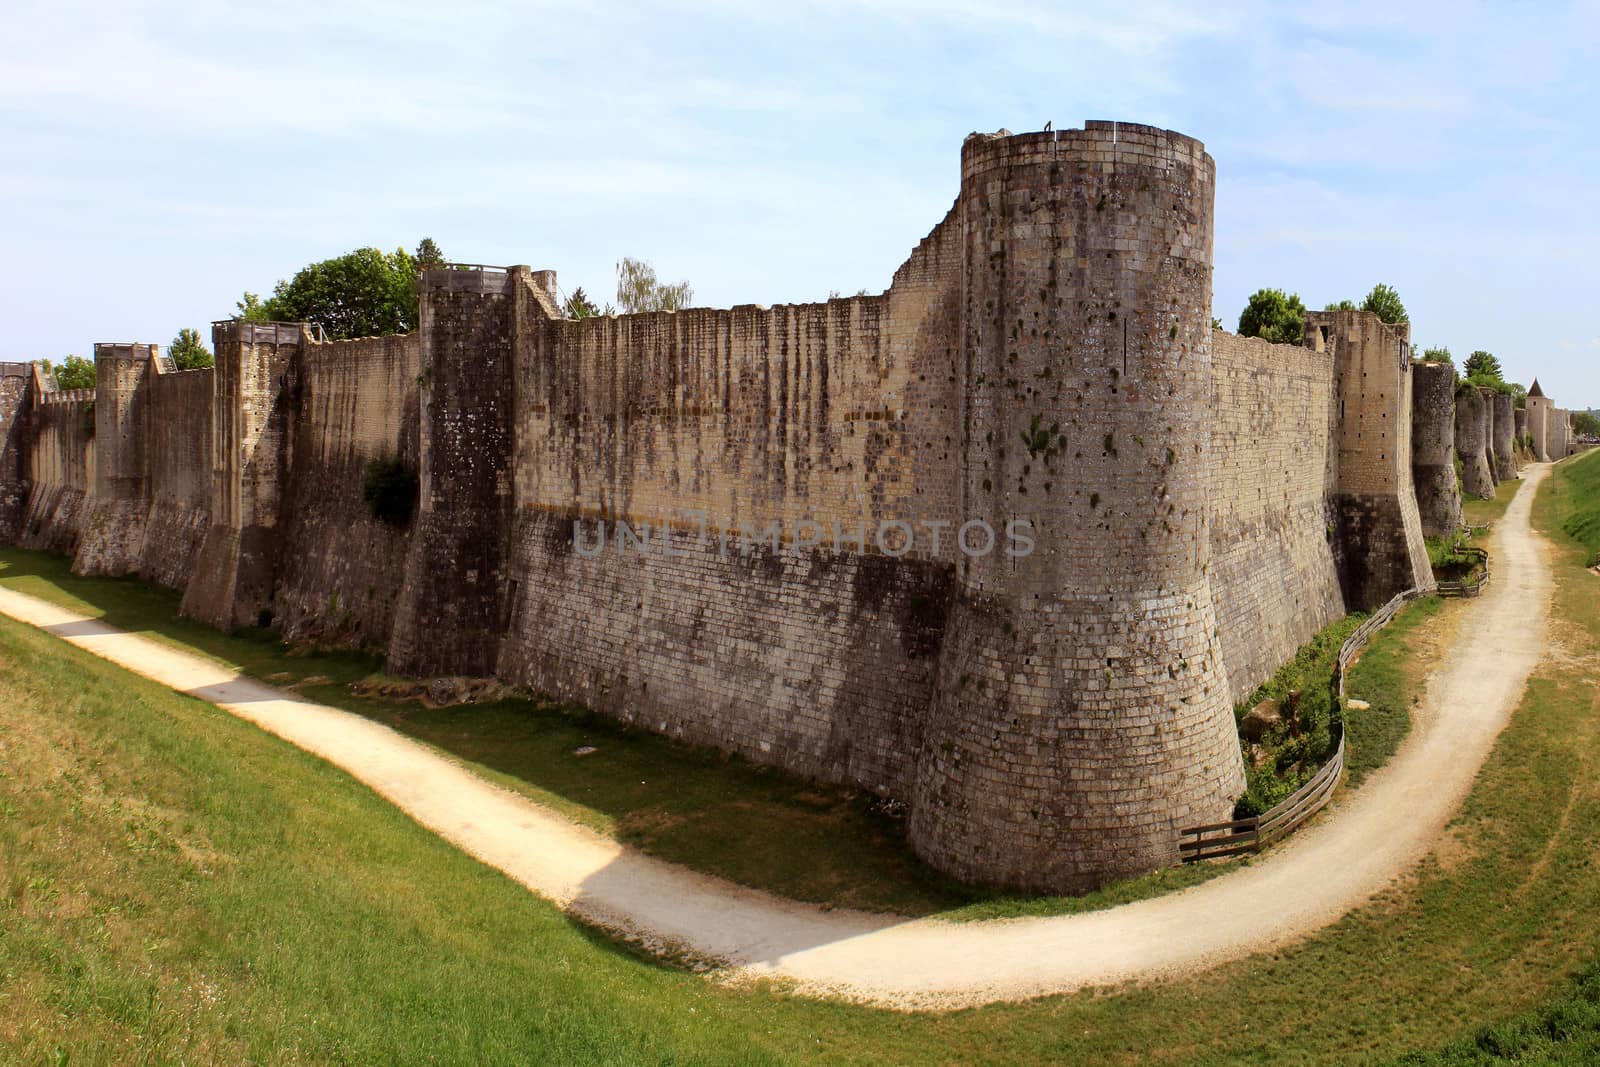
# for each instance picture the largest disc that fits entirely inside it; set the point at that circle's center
(708, 810)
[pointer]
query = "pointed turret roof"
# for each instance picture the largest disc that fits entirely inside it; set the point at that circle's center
(1536, 391)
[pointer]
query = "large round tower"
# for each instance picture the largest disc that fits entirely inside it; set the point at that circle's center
(1083, 714)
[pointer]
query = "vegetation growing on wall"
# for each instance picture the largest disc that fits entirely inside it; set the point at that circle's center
(365, 293)
(74, 372)
(1289, 727)
(390, 489)
(1275, 316)
(187, 351)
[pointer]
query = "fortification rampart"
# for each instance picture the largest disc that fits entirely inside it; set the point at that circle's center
(1472, 441)
(1539, 407)
(1274, 482)
(357, 404)
(1502, 436)
(14, 379)
(796, 532)
(60, 467)
(1381, 549)
(1433, 448)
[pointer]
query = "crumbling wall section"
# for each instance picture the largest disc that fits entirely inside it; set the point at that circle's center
(1433, 448)
(342, 565)
(1273, 570)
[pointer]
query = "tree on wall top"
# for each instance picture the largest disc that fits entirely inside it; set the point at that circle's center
(365, 293)
(1342, 305)
(579, 306)
(74, 372)
(638, 289)
(1384, 302)
(1483, 365)
(428, 255)
(1437, 355)
(187, 351)
(1275, 316)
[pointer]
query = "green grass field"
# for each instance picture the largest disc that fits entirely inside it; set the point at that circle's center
(1476, 512)
(177, 886)
(713, 812)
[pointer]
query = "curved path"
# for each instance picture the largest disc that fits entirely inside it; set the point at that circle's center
(1354, 850)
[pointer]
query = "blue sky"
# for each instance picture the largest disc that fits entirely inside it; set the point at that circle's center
(158, 159)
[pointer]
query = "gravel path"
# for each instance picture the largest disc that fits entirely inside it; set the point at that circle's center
(1362, 844)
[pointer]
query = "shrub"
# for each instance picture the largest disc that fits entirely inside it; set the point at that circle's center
(390, 489)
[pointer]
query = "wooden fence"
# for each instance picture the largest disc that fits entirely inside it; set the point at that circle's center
(1234, 838)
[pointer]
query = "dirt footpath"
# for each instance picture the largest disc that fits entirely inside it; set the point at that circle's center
(1357, 848)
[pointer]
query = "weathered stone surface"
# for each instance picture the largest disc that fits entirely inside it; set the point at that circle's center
(1502, 435)
(1433, 448)
(1199, 504)
(1378, 538)
(1472, 441)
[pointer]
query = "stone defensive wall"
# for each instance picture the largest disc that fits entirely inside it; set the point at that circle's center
(1472, 440)
(1433, 448)
(1503, 436)
(1006, 541)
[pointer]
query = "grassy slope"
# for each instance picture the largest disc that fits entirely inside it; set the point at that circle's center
(714, 813)
(1390, 676)
(1565, 1029)
(177, 883)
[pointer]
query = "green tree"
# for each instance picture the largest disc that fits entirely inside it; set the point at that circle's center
(1216, 323)
(579, 306)
(1342, 305)
(187, 351)
(1437, 355)
(1482, 365)
(251, 308)
(366, 293)
(428, 256)
(1275, 316)
(638, 289)
(1586, 424)
(1384, 302)
(74, 372)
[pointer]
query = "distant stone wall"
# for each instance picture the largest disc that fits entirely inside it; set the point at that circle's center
(357, 402)
(1502, 436)
(178, 408)
(697, 521)
(1539, 418)
(1472, 442)
(14, 379)
(1433, 448)
(1274, 573)
(60, 468)
(1381, 549)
